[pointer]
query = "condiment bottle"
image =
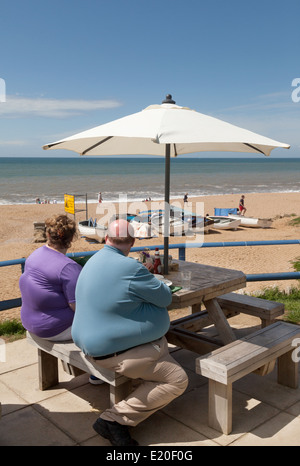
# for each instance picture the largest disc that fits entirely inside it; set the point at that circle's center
(157, 262)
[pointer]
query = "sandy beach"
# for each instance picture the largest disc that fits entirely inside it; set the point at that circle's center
(17, 239)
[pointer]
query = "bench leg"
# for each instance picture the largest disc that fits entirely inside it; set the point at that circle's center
(266, 322)
(71, 370)
(119, 393)
(48, 370)
(220, 406)
(287, 370)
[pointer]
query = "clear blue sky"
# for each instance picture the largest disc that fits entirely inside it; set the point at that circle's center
(69, 65)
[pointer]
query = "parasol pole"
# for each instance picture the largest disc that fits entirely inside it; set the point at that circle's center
(167, 100)
(167, 208)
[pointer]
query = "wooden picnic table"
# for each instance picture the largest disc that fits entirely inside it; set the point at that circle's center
(207, 284)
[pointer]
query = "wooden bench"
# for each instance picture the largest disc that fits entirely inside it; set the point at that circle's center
(75, 363)
(227, 364)
(266, 310)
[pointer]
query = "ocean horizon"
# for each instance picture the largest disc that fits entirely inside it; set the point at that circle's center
(23, 179)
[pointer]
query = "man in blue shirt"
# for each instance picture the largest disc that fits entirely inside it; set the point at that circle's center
(120, 321)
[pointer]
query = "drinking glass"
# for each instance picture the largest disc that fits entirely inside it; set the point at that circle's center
(186, 278)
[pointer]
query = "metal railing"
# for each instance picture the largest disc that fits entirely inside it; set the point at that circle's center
(16, 302)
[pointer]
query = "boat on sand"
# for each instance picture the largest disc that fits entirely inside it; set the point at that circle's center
(224, 223)
(178, 226)
(252, 222)
(197, 223)
(92, 229)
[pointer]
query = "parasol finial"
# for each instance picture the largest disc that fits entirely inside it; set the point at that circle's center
(168, 100)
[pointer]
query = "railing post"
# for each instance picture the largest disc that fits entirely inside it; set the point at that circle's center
(181, 254)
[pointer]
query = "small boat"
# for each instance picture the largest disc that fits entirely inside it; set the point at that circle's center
(141, 226)
(142, 229)
(178, 226)
(197, 223)
(245, 221)
(92, 229)
(155, 218)
(145, 215)
(253, 222)
(224, 223)
(208, 224)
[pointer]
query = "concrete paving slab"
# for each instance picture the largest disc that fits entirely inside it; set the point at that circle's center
(18, 354)
(192, 410)
(24, 382)
(281, 430)
(294, 409)
(163, 430)
(75, 412)
(26, 427)
(10, 400)
(268, 390)
(264, 413)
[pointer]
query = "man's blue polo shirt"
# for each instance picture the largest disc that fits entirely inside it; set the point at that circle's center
(119, 304)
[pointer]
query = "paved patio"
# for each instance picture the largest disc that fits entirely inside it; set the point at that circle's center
(264, 413)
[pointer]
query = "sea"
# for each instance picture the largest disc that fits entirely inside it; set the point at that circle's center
(23, 180)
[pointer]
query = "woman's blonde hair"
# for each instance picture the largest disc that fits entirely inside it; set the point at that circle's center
(60, 230)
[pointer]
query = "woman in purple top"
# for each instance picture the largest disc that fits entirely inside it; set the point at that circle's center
(48, 283)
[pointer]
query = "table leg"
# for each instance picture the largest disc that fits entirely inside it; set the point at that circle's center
(221, 323)
(195, 308)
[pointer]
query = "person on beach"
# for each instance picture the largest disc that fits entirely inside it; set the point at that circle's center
(99, 198)
(48, 283)
(242, 207)
(120, 322)
(185, 198)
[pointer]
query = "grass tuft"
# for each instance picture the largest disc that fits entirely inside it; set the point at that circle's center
(295, 222)
(11, 330)
(291, 301)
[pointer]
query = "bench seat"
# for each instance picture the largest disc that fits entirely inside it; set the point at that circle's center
(75, 363)
(266, 310)
(231, 362)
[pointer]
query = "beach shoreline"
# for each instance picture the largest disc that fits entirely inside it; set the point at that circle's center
(194, 198)
(16, 237)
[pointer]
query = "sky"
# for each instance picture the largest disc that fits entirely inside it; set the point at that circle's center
(70, 65)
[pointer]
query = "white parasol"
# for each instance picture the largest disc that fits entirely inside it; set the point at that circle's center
(166, 130)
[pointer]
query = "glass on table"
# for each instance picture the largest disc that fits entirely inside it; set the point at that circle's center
(186, 279)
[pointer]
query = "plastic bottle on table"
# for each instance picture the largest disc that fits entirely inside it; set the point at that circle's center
(157, 262)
